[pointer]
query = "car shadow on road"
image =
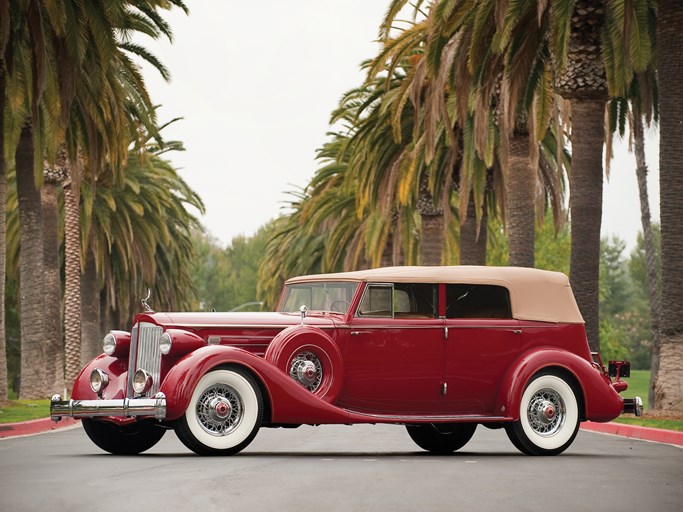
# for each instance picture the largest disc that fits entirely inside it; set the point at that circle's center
(369, 455)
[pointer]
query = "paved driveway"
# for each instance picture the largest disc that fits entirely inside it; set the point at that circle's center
(339, 468)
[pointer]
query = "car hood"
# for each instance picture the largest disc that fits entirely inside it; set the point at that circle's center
(237, 319)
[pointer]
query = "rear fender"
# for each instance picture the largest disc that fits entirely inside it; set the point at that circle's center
(289, 402)
(600, 400)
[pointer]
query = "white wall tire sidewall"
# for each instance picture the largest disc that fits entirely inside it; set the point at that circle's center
(566, 432)
(249, 404)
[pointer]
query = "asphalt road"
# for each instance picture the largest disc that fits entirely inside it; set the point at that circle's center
(340, 468)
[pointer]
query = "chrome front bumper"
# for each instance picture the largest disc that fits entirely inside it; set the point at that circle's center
(126, 407)
(633, 406)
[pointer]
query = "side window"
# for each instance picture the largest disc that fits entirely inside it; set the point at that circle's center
(400, 300)
(477, 301)
(376, 301)
(415, 300)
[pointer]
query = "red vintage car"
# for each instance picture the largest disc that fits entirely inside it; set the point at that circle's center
(437, 349)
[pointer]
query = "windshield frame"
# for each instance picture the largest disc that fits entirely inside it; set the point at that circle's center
(315, 295)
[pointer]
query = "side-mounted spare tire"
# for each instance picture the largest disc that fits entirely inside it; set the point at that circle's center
(309, 356)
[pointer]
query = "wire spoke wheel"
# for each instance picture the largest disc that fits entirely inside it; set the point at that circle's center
(307, 370)
(219, 410)
(546, 412)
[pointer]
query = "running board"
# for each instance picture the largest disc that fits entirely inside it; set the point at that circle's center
(413, 418)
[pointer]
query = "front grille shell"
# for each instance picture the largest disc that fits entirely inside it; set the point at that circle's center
(145, 355)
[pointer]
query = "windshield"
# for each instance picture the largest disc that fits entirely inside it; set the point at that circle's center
(321, 296)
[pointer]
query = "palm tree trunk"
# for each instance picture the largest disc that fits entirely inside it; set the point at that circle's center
(473, 245)
(431, 239)
(650, 252)
(33, 382)
(669, 384)
(54, 362)
(90, 312)
(585, 204)
(72, 286)
(3, 243)
(520, 191)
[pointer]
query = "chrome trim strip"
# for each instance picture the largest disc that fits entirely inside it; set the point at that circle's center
(240, 345)
(230, 337)
(126, 407)
(251, 326)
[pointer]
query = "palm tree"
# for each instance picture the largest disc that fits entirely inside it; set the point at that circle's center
(53, 176)
(39, 36)
(483, 90)
(137, 234)
(669, 385)
(3, 202)
(33, 379)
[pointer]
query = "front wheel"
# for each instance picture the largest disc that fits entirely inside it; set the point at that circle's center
(224, 414)
(125, 439)
(548, 417)
(441, 438)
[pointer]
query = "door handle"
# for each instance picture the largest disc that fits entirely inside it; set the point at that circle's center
(356, 333)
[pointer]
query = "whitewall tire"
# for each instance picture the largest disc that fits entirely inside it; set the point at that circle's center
(224, 414)
(548, 416)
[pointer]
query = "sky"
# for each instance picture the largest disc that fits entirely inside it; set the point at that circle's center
(255, 83)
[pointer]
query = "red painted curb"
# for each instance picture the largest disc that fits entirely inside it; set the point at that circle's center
(33, 427)
(645, 433)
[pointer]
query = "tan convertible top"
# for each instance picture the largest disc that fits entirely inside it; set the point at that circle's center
(534, 294)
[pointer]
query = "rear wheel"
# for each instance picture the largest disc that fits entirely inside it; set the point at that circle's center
(224, 414)
(441, 438)
(548, 417)
(123, 440)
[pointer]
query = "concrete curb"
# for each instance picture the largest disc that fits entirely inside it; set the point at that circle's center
(656, 435)
(39, 426)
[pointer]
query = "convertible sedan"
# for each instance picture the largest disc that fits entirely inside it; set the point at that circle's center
(440, 350)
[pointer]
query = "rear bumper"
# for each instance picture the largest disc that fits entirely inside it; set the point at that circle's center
(633, 406)
(125, 407)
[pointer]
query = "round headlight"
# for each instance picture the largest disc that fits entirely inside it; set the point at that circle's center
(98, 380)
(165, 343)
(109, 344)
(142, 381)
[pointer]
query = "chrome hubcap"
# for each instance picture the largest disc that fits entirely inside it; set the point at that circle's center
(307, 370)
(219, 410)
(546, 412)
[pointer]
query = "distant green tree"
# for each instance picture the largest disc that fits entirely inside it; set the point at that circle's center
(624, 304)
(227, 278)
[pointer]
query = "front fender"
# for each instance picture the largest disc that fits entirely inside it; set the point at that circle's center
(289, 402)
(601, 401)
(116, 370)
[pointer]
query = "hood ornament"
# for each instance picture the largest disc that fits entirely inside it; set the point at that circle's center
(145, 302)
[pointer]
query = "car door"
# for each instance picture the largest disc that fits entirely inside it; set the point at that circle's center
(483, 340)
(394, 356)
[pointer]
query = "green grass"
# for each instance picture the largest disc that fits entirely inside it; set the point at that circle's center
(24, 410)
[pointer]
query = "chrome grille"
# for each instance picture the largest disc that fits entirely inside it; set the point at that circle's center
(145, 355)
